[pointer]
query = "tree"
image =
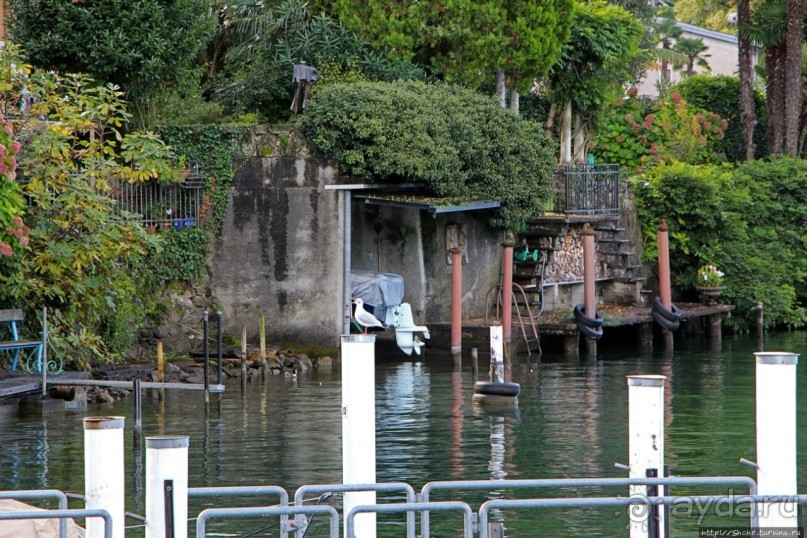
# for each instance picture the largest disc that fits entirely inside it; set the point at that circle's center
(139, 45)
(595, 63)
(82, 258)
(465, 40)
(748, 117)
(768, 28)
(666, 31)
(793, 60)
(693, 49)
(267, 40)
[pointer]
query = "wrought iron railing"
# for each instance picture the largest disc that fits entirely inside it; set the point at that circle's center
(587, 189)
(160, 205)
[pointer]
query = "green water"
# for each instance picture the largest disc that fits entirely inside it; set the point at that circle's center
(571, 422)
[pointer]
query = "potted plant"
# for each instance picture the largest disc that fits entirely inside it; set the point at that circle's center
(710, 282)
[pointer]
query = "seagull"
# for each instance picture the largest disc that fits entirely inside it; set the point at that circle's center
(363, 317)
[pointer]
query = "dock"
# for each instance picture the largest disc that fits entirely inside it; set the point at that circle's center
(19, 384)
(560, 323)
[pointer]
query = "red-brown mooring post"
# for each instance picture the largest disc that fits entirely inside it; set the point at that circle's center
(664, 265)
(507, 286)
(589, 274)
(456, 301)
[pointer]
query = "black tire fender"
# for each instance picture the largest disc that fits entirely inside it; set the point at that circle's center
(583, 319)
(666, 323)
(497, 389)
(672, 315)
(590, 332)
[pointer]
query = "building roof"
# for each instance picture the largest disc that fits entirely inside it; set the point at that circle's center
(711, 34)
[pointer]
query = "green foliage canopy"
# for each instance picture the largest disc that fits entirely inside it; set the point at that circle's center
(596, 60)
(136, 44)
(452, 139)
(748, 221)
(721, 94)
(465, 40)
(638, 136)
(83, 258)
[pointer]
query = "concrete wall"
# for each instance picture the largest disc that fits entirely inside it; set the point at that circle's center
(280, 251)
(412, 243)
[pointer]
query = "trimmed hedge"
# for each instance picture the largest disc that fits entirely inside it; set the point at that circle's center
(455, 141)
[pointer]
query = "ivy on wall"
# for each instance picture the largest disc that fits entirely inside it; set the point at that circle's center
(214, 149)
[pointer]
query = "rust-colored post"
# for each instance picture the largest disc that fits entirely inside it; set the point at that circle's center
(664, 265)
(456, 300)
(507, 286)
(160, 368)
(589, 274)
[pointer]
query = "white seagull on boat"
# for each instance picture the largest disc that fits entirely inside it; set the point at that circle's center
(364, 318)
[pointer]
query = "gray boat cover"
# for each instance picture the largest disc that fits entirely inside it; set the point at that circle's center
(377, 289)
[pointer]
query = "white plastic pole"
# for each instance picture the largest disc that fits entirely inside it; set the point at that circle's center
(496, 354)
(358, 427)
(166, 460)
(646, 444)
(776, 436)
(104, 473)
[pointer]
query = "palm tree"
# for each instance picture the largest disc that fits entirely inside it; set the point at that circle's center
(793, 58)
(748, 116)
(768, 29)
(666, 30)
(693, 48)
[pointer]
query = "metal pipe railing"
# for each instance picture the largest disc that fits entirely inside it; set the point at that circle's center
(246, 491)
(490, 485)
(241, 513)
(610, 502)
(445, 506)
(61, 514)
(389, 487)
(60, 496)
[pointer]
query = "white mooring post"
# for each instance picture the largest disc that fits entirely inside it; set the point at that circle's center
(646, 447)
(167, 486)
(496, 354)
(358, 427)
(776, 436)
(104, 473)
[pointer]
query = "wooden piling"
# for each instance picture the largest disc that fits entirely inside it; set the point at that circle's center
(262, 330)
(160, 368)
(244, 358)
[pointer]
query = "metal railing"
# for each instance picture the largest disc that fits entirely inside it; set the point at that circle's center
(61, 514)
(176, 205)
(389, 487)
(444, 506)
(242, 513)
(491, 485)
(246, 491)
(587, 189)
(42, 494)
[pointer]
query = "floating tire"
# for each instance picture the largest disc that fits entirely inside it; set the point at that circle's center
(493, 400)
(665, 323)
(583, 319)
(497, 389)
(672, 315)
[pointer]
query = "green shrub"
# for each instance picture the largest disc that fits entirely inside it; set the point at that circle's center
(638, 135)
(747, 221)
(457, 142)
(721, 95)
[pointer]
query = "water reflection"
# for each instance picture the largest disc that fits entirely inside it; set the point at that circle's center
(571, 421)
